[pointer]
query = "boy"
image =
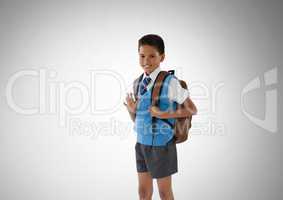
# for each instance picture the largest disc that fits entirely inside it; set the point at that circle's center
(156, 154)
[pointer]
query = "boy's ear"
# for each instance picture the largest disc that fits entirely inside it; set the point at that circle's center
(162, 57)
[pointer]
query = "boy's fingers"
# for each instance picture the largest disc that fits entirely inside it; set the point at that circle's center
(132, 97)
(128, 97)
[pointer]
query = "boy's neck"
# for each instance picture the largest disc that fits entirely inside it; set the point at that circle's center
(151, 71)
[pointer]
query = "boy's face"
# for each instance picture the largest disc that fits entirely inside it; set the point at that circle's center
(149, 58)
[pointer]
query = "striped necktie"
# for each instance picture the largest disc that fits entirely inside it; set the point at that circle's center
(144, 84)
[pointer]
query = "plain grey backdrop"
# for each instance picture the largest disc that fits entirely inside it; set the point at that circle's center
(81, 56)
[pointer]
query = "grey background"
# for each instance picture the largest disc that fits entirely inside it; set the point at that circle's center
(208, 42)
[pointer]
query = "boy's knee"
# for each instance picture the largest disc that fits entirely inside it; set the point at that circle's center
(166, 195)
(145, 192)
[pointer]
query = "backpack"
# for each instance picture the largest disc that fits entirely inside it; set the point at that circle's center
(182, 125)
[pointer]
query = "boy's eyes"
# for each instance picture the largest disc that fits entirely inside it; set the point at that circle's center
(142, 56)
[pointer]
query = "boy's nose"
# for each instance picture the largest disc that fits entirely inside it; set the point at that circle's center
(147, 62)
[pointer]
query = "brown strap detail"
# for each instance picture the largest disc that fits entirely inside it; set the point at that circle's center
(157, 87)
(136, 86)
(183, 84)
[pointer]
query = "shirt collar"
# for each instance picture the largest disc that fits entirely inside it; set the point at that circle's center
(153, 74)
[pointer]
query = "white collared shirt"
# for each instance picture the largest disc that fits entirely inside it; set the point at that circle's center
(175, 91)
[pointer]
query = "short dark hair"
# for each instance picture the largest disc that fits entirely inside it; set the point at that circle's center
(152, 40)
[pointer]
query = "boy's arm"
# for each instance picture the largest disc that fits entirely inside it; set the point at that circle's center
(180, 95)
(188, 110)
(131, 113)
(131, 105)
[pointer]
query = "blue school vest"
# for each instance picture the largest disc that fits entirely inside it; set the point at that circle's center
(154, 132)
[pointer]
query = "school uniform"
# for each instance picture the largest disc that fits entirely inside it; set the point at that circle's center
(155, 147)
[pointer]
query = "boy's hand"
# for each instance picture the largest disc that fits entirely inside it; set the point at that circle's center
(131, 104)
(156, 112)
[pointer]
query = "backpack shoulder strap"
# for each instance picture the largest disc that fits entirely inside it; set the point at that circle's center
(136, 86)
(155, 94)
(157, 87)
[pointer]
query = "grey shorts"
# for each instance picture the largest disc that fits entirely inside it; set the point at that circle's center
(160, 161)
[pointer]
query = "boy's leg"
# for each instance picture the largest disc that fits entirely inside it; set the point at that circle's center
(165, 188)
(145, 185)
